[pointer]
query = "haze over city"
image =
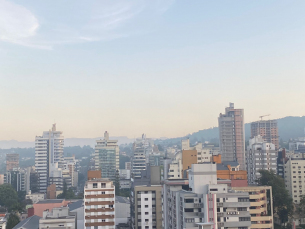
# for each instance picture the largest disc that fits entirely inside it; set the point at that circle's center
(166, 68)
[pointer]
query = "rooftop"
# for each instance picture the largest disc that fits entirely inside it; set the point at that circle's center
(52, 201)
(29, 223)
(121, 199)
(76, 205)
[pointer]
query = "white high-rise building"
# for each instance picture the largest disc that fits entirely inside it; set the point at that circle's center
(49, 150)
(107, 157)
(261, 155)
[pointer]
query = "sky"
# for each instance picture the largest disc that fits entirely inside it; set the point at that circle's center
(165, 68)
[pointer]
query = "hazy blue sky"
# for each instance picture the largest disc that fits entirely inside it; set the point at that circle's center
(162, 67)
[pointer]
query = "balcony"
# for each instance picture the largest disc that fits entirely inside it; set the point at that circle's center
(219, 214)
(219, 204)
(260, 225)
(261, 218)
(198, 205)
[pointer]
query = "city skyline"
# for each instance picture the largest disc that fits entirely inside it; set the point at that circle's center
(165, 68)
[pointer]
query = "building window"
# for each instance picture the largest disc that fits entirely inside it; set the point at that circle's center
(103, 185)
(94, 185)
(146, 199)
(146, 220)
(146, 206)
(146, 213)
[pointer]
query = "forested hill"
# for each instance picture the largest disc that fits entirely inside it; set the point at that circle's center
(289, 127)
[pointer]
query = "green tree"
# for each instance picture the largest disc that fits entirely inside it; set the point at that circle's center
(282, 202)
(117, 183)
(123, 159)
(160, 148)
(300, 208)
(8, 197)
(12, 221)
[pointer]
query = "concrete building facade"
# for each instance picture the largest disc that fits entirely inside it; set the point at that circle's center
(205, 201)
(232, 135)
(294, 170)
(261, 155)
(99, 204)
(49, 149)
(107, 157)
(261, 206)
(12, 161)
(58, 218)
(268, 130)
(138, 162)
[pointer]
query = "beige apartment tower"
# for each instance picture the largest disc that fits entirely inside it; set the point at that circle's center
(232, 135)
(99, 203)
(267, 129)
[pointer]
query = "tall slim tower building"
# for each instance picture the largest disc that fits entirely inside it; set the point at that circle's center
(49, 151)
(267, 129)
(107, 157)
(232, 135)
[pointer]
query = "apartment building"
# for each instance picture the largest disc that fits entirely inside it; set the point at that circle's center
(261, 206)
(138, 161)
(174, 167)
(146, 200)
(99, 204)
(204, 201)
(58, 218)
(268, 130)
(49, 149)
(232, 135)
(280, 163)
(12, 161)
(107, 157)
(261, 155)
(169, 189)
(148, 208)
(294, 178)
(156, 159)
(297, 145)
(19, 179)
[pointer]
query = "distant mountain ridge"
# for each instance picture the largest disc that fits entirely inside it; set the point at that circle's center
(68, 142)
(289, 127)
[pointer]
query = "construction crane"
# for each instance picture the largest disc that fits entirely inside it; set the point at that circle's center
(261, 117)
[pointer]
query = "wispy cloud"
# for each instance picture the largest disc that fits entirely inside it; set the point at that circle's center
(17, 24)
(105, 20)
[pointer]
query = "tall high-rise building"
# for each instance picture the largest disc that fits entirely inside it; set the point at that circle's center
(138, 162)
(99, 203)
(267, 129)
(146, 199)
(261, 155)
(232, 135)
(49, 150)
(12, 161)
(107, 157)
